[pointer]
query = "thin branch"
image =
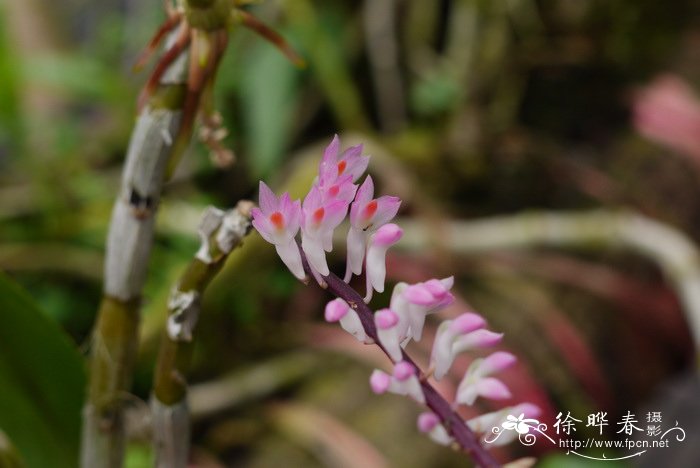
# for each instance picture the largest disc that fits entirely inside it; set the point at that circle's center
(452, 421)
(220, 233)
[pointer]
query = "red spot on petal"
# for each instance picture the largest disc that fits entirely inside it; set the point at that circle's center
(318, 215)
(277, 220)
(334, 190)
(341, 167)
(370, 209)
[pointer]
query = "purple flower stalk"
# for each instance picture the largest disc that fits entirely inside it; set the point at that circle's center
(370, 235)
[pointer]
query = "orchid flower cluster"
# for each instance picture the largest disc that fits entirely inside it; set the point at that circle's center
(334, 193)
(326, 205)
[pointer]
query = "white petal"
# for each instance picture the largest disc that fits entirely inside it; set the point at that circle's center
(448, 282)
(351, 323)
(414, 390)
(328, 240)
(357, 242)
(443, 355)
(313, 248)
(439, 435)
(389, 338)
(416, 316)
(289, 253)
(376, 266)
(466, 395)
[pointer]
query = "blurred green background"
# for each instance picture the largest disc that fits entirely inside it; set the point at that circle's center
(471, 109)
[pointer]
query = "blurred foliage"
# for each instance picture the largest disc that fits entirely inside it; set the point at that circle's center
(471, 108)
(42, 382)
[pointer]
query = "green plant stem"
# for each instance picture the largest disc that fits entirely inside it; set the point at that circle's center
(115, 336)
(220, 234)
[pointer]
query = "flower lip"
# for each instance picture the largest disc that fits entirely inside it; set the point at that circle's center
(528, 410)
(497, 361)
(467, 322)
(418, 294)
(387, 235)
(436, 288)
(404, 370)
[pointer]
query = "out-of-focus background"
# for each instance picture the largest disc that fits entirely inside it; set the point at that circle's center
(557, 140)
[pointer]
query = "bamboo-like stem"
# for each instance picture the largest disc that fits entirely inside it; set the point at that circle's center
(453, 422)
(220, 233)
(114, 340)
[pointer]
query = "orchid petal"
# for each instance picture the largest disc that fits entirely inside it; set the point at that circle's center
(315, 254)
(386, 322)
(387, 207)
(290, 255)
(380, 242)
(356, 244)
(268, 201)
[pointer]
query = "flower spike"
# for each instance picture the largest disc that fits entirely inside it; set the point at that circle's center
(332, 195)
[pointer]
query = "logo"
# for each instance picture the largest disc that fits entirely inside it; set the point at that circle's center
(528, 430)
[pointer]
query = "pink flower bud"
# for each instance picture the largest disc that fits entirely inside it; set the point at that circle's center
(336, 310)
(379, 381)
(404, 370)
(385, 319)
(427, 421)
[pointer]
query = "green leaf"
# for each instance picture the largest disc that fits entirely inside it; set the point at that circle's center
(269, 90)
(42, 382)
(10, 111)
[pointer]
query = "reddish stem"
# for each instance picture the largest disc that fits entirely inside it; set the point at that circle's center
(452, 421)
(271, 35)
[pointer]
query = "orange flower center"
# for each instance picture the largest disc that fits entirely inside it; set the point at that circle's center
(341, 167)
(370, 209)
(318, 215)
(277, 220)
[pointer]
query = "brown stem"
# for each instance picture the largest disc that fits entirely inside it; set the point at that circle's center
(169, 57)
(164, 29)
(452, 421)
(271, 35)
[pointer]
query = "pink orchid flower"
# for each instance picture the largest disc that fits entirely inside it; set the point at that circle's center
(350, 163)
(367, 215)
(278, 221)
(320, 218)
